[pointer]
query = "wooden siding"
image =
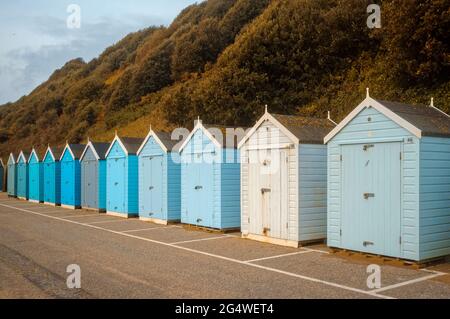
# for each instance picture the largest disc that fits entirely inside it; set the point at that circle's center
(22, 178)
(312, 192)
(378, 129)
(132, 184)
(71, 173)
(174, 186)
(36, 179)
(434, 197)
(102, 184)
(230, 189)
(199, 151)
(261, 139)
(12, 178)
(52, 180)
(90, 180)
(152, 148)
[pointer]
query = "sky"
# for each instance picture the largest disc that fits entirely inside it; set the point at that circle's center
(39, 36)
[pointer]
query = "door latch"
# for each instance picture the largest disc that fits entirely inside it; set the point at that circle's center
(265, 190)
(368, 195)
(368, 243)
(366, 147)
(199, 220)
(198, 187)
(151, 187)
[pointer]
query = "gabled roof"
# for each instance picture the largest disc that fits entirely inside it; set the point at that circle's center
(209, 130)
(55, 152)
(75, 150)
(300, 129)
(163, 139)
(419, 120)
(37, 154)
(25, 155)
(13, 157)
(99, 150)
(130, 145)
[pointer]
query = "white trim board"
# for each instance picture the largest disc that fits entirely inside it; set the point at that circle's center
(371, 103)
(116, 138)
(91, 146)
(199, 126)
(268, 117)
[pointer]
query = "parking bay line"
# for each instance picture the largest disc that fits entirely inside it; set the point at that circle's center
(108, 221)
(78, 216)
(311, 279)
(196, 240)
(405, 283)
(151, 228)
(279, 256)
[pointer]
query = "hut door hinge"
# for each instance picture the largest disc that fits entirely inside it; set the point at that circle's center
(287, 225)
(248, 220)
(340, 232)
(400, 240)
(401, 156)
(341, 158)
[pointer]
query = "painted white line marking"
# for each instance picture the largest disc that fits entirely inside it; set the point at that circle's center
(151, 228)
(236, 261)
(196, 240)
(108, 222)
(279, 256)
(316, 250)
(434, 271)
(405, 283)
(78, 216)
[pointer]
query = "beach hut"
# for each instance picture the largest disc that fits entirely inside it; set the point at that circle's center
(93, 176)
(35, 177)
(71, 176)
(22, 175)
(122, 177)
(210, 178)
(389, 181)
(284, 180)
(52, 176)
(2, 176)
(159, 179)
(12, 175)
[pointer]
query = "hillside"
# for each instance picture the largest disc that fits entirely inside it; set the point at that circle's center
(224, 59)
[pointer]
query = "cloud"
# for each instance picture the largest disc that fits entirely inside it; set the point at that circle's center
(22, 69)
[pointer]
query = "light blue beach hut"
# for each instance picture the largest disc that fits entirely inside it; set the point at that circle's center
(12, 175)
(389, 181)
(52, 176)
(122, 187)
(35, 177)
(2, 176)
(210, 178)
(22, 175)
(159, 179)
(71, 176)
(93, 176)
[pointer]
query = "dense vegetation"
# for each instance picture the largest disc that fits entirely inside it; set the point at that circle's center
(224, 59)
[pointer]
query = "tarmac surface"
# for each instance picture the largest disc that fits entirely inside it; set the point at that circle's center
(122, 258)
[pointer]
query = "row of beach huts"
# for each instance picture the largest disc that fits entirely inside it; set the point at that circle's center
(378, 182)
